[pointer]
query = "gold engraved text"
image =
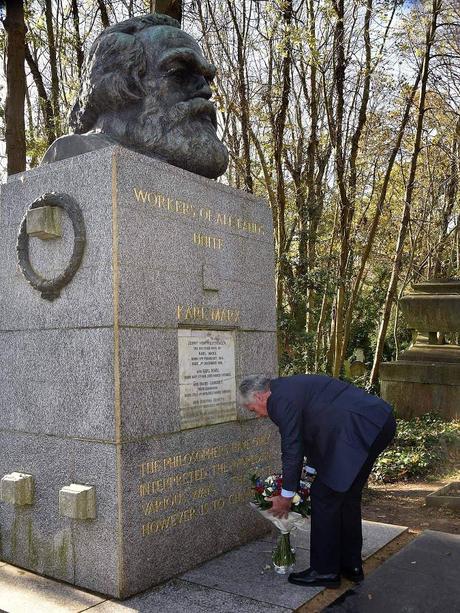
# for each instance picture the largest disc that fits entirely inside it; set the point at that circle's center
(207, 314)
(240, 224)
(186, 209)
(161, 504)
(160, 485)
(169, 500)
(166, 203)
(176, 519)
(203, 240)
(206, 453)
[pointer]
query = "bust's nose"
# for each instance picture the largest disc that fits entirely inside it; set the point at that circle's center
(202, 90)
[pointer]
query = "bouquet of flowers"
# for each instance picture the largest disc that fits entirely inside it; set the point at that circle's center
(283, 556)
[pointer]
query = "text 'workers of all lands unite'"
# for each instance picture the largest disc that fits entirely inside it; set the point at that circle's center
(180, 207)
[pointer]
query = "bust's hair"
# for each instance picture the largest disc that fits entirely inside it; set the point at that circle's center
(114, 69)
(251, 385)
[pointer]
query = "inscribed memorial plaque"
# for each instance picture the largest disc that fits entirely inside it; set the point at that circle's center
(206, 377)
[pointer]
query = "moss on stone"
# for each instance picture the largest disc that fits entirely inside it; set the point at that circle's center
(32, 546)
(62, 554)
(14, 537)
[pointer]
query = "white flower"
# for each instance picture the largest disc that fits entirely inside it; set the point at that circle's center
(296, 499)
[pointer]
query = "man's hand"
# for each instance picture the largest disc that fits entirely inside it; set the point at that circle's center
(280, 506)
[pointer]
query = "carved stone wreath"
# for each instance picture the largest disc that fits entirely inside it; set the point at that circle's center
(51, 288)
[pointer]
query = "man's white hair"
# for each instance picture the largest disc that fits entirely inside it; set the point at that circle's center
(251, 385)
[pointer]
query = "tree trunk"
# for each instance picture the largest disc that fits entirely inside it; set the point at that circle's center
(345, 205)
(451, 198)
(345, 322)
(30, 131)
(308, 249)
(325, 304)
(78, 44)
(53, 67)
(15, 87)
(278, 146)
(104, 14)
(242, 95)
(397, 262)
(44, 101)
(380, 206)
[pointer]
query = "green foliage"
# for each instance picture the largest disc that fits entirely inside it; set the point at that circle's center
(296, 344)
(292, 354)
(367, 313)
(403, 335)
(420, 449)
(36, 147)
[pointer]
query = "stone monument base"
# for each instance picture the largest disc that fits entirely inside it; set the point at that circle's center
(416, 388)
(125, 457)
(426, 377)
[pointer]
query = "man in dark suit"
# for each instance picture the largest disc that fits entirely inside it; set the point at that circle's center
(341, 430)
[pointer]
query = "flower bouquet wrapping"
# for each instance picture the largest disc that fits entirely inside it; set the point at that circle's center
(283, 556)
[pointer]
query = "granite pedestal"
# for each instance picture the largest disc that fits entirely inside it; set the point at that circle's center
(426, 377)
(125, 384)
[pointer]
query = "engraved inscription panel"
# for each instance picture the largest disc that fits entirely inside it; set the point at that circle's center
(207, 385)
(182, 488)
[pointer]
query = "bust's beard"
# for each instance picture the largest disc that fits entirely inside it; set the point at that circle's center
(184, 136)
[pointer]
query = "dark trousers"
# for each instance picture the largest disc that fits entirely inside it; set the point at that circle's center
(336, 536)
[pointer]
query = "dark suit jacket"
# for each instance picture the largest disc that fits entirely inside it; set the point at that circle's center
(331, 422)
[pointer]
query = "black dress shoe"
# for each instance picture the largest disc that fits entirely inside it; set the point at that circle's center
(310, 578)
(355, 574)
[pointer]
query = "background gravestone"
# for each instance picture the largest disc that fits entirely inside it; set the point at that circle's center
(426, 377)
(125, 384)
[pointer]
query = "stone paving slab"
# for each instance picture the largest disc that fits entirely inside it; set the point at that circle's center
(240, 580)
(375, 536)
(24, 592)
(423, 577)
(247, 571)
(179, 596)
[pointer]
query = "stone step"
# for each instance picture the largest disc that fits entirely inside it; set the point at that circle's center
(431, 353)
